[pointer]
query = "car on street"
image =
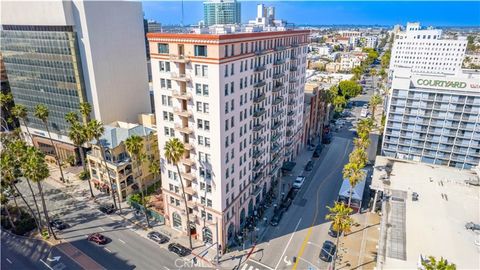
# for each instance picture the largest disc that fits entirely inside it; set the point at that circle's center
(286, 203)
(332, 232)
(158, 237)
(276, 218)
(292, 193)
(58, 224)
(299, 181)
(179, 249)
(309, 166)
(327, 252)
(107, 209)
(97, 238)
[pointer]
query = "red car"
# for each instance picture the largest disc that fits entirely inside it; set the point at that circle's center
(97, 238)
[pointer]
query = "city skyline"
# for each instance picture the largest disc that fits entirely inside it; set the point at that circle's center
(463, 13)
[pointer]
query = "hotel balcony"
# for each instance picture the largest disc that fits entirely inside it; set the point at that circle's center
(280, 48)
(257, 153)
(188, 146)
(275, 169)
(260, 68)
(185, 130)
(260, 52)
(293, 68)
(190, 191)
(276, 159)
(181, 95)
(278, 87)
(290, 113)
(259, 84)
(258, 140)
(292, 91)
(180, 77)
(259, 98)
(275, 148)
(294, 45)
(277, 100)
(275, 137)
(278, 75)
(277, 113)
(259, 112)
(290, 123)
(188, 161)
(279, 62)
(258, 127)
(189, 177)
(258, 167)
(276, 125)
(182, 112)
(182, 59)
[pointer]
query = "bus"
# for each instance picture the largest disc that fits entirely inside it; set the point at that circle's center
(357, 193)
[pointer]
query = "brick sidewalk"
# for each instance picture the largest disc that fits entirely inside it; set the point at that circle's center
(358, 249)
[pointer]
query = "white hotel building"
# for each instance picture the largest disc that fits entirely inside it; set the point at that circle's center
(433, 111)
(236, 101)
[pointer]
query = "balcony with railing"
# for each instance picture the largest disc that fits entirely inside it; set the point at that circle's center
(188, 146)
(258, 167)
(182, 59)
(276, 125)
(275, 169)
(290, 123)
(293, 68)
(292, 91)
(182, 112)
(180, 77)
(259, 98)
(275, 137)
(279, 62)
(280, 48)
(260, 68)
(275, 148)
(259, 112)
(277, 113)
(290, 113)
(181, 95)
(259, 83)
(275, 159)
(187, 161)
(278, 75)
(278, 87)
(289, 133)
(258, 140)
(258, 127)
(257, 153)
(277, 100)
(183, 129)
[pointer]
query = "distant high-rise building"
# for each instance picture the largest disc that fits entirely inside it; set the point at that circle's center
(153, 26)
(221, 12)
(426, 51)
(7, 121)
(62, 53)
(235, 101)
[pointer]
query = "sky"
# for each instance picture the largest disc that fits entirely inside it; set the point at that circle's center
(428, 13)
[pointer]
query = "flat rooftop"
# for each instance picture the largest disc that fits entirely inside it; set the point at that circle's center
(435, 224)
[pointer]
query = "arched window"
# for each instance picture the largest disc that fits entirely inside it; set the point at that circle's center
(177, 221)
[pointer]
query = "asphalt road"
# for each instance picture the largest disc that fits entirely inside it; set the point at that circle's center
(126, 249)
(303, 229)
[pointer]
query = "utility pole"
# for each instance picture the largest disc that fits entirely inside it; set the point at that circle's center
(216, 232)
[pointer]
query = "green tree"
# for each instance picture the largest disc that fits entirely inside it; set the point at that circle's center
(42, 113)
(359, 156)
(357, 72)
(332, 94)
(375, 100)
(361, 143)
(354, 173)
(94, 131)
(37, 171)
(154, 169)
(382, 74)
(339, 103)
(339, 215)
(134, 146)
(21, 113)
(349, 89)
(433, 264)
(4, 202)
(364, 126)
(6, 100)
(85, 110)
(174, 150)
(382, 122)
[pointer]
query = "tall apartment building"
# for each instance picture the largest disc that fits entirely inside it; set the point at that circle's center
(221, 12)
(236, 102)
(61, 53)
(426, 51)
(434, 119)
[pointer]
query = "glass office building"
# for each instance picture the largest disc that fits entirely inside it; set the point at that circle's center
(43, 67)
(221, 12)
(434, 119)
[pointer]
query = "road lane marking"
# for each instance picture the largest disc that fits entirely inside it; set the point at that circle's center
(166, 268)
(121, 240)
(101, 228)
(305, 241)
(313, 244)
(108, 250)
(46, 264)
(10, 262)
(285, 249)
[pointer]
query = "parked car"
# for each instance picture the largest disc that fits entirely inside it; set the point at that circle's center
(97, 238)
(107, 209)
(309, 166)
(327, 252)
(276, 218)
(316, 154)
(332, 232)
(158, 237)
(179, 249)
(286, 203)
(58, 224)
(299, 181)
(292, 193)
(472, 226)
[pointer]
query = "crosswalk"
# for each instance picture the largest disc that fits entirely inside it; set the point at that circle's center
(253, 265)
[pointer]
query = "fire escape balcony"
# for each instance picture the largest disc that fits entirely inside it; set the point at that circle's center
(180, 77)
(185, 130)
(182, 112)
(182, 95)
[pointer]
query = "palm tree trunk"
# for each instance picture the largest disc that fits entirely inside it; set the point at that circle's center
(102, 156)
(350, 197)
(336, 250)
(45, 211)
(10, 217)
(84, 166)
(56, 153)
(16, 205)
(35, 201)
(28, 131)
(186, 206)
(144, 204)
(29, 208)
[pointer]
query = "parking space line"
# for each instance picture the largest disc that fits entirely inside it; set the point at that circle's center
(121, 241)
(108, 250)
(10, 262)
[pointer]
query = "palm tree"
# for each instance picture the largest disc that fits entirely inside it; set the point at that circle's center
(154, 169)
(77, 135)
(42, 113)
(71, 118)
(37, 171)
(94, 130)
(375, 100)
(85, 110)
(174, 150)
(364, 126)
(358, 156)
(433, 264)
(339, 214)
(134, 145)
(21, 113)
(5, 100)
(361, 143)
(354, 173)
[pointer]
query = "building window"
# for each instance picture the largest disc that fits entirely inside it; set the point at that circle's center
(164, 66)
(200, 50)
(162, 48)
(204, 70)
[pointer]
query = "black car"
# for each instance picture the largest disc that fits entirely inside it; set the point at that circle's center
(58, 224)
(309, 166)
(292, 193)
(158, 237)
(332, 232)
(276, 218)
(107, 209)
(179, 249)
(327, 252)
(286, 203)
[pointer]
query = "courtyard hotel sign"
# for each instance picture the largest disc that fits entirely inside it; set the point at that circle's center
(446, 83)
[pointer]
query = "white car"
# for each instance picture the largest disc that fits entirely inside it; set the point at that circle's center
(299, 182)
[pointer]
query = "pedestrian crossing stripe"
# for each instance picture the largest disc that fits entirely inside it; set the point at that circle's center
(244, 267)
